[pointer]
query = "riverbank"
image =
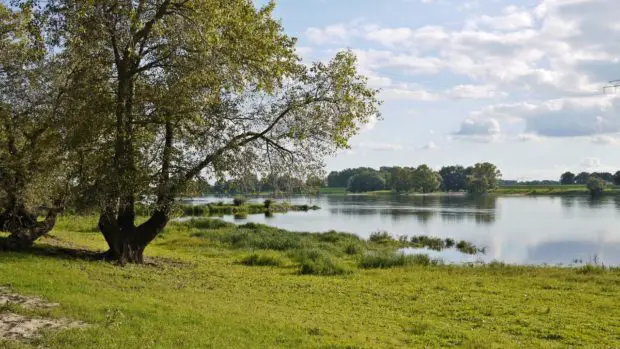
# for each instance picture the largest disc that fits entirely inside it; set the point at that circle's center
(211, 284)
(512, 190)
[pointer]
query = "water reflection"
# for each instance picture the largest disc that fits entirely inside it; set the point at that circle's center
(422, 208)
(549, 230)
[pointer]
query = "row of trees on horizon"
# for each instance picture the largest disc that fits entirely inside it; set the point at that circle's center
(569, 178)
(478, 179)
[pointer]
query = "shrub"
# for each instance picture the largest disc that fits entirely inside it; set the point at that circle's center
(353, 249)
(596, 185)
(267, 203)
(317, 262)
(392, 260)
(239, 200)
(262, 260)
(450, 243)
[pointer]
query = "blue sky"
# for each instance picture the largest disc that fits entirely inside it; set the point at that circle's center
(514, 82)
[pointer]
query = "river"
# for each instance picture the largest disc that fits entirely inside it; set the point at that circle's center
(559, 230)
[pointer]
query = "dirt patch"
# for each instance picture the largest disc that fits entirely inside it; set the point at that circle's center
(19, 327)
(8, 298)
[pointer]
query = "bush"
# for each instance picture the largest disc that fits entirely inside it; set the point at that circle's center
(353, 249)
(596, 185)
(317, 262)
(267, 203)
(262, 260)
(239, 200)
(392, 260)
(450, 243)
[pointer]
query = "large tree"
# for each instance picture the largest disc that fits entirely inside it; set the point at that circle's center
(31, 132)
(454, 178)
(567, 178)
(482, 178)
(425, 179)
(203, 87)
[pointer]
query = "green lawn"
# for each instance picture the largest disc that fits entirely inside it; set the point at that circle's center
(198, 294)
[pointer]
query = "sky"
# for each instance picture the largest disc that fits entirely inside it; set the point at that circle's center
(518, 83)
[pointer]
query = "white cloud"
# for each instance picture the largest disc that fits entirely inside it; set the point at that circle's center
(605, 140)
(565, 117)
(479, 130)
(429, 146)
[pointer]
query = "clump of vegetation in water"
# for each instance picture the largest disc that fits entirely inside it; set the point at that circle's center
(267, 203)
(239, 200)
(431, 243)
(381, 237)
(237, 208)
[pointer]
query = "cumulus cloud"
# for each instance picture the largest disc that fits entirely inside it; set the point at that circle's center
(547, 63)
(565, 117)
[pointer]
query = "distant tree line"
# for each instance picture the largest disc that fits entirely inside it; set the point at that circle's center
(479, 178)
(253, 185)
(569, 178)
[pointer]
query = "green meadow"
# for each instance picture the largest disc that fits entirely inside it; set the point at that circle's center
(210, 284)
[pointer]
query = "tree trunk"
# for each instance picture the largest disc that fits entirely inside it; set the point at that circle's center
(127, 242)
(24, 228)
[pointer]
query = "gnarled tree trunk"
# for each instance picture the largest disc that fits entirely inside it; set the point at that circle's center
(24, 227)
(126, 241)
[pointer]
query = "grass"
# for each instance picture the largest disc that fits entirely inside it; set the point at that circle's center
(197, 293)
(392, 260)
(558, 189)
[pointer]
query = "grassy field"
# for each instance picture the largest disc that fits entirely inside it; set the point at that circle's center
(550, 190)
(213, 285)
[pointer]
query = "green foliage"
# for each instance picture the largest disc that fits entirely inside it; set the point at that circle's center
(596, 185)
(385, 260)
(435, 244)
(318, 262)
(239, 200)
(454, 178)
(426, 180)
(263, 260)
(567, 178)
(366, 181)
(381, 237)
(482, 178)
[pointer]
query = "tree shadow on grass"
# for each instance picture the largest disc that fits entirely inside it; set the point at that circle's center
(72, 253)
(50, 250)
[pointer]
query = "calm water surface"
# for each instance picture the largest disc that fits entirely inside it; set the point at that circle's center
(523, 230)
